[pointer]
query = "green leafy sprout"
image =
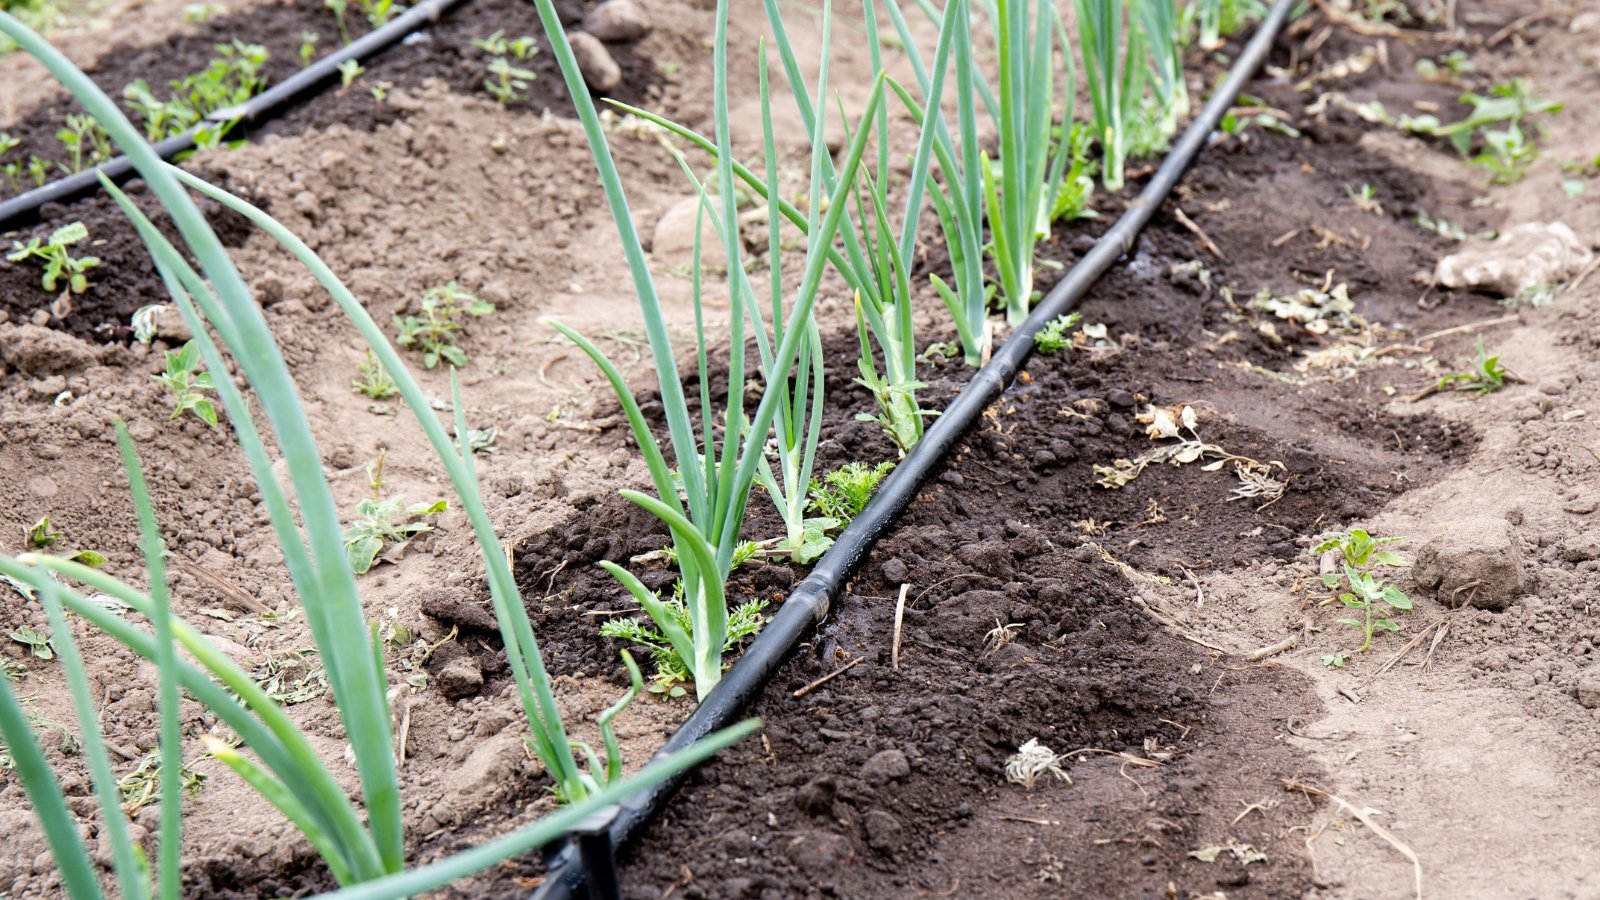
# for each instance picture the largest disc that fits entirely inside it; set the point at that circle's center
(57, 260)
(87, 144)
(1486, 376)
(36, 640)
(507, 82)
(671, 672)
(381, 522)
(373, 380)
(349, 71)
(440, 325)
(229, 79)
(1356, 585)
(842, 494)
(188, 385)
(1056, 333)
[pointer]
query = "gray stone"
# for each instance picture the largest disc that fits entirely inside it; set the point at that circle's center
(1476, 562)
(461, 677)
(885, 834)
(673, 242)
(1525, 256)
(618, 21)
(889, 765)
(600, 71)
(1589, 689)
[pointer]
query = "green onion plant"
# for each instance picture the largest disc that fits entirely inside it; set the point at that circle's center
(364, 846)
(715, 478)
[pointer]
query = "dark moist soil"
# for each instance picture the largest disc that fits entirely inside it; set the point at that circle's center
(126, 278)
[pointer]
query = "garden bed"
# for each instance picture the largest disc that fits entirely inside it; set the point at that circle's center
(1115, 626)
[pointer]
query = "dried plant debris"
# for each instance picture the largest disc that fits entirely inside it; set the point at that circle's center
(1032, 762)
(1317, 311)
(1244, 853)
(1257, 480)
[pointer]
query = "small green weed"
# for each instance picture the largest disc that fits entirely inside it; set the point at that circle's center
(187, 385)
(232, 77)
(507, 82)
(842, 494)
(1485, 377)
(436, 330)
(41, 534)
(1357, 587)
(349, 71)
(1077, 185)
(383, 522)
(671, 674)
(1335, 660)
(308, 47)
(36, 640)
(57, 261)
(87, 144)
(373, 380)
(1055, 335)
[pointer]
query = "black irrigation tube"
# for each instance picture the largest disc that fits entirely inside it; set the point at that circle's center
(24, 208)
(810, 601)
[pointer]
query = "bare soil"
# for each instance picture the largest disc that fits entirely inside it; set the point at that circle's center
(1117, 627)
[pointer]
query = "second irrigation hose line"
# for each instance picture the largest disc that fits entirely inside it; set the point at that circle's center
(811, 600)
(24, 208)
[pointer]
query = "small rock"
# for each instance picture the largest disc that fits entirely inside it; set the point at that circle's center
(1476, 562)
(819, 852)
(33, 350)
(461, 677)
(673, 243)
(894, 571)
(618, 21)
(1526, 256)
(1580, 550)
(1589, 689)
(817, 795)
(171, 327)
(885, 834)
(988, 558)
(600, 71)
(1580, 507)
(884, 767)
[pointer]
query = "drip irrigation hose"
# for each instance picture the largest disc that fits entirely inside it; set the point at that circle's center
(810, 601)
(24, 208)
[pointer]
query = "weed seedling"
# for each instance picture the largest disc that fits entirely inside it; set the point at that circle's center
(384, 522)
(233, 76)
(36, 640)
(1365, 199)
(373, 380)
(507, 82)
(40, 534)
(1358, 587)
(671, 673)
(1485, 377)
(187, 384)
(435, 331)
(57, 261)
(308, 47)
(142, 786)
(1054, 335)
(86, 142)
(1335, 660)
(842, 494)
(349, 71)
